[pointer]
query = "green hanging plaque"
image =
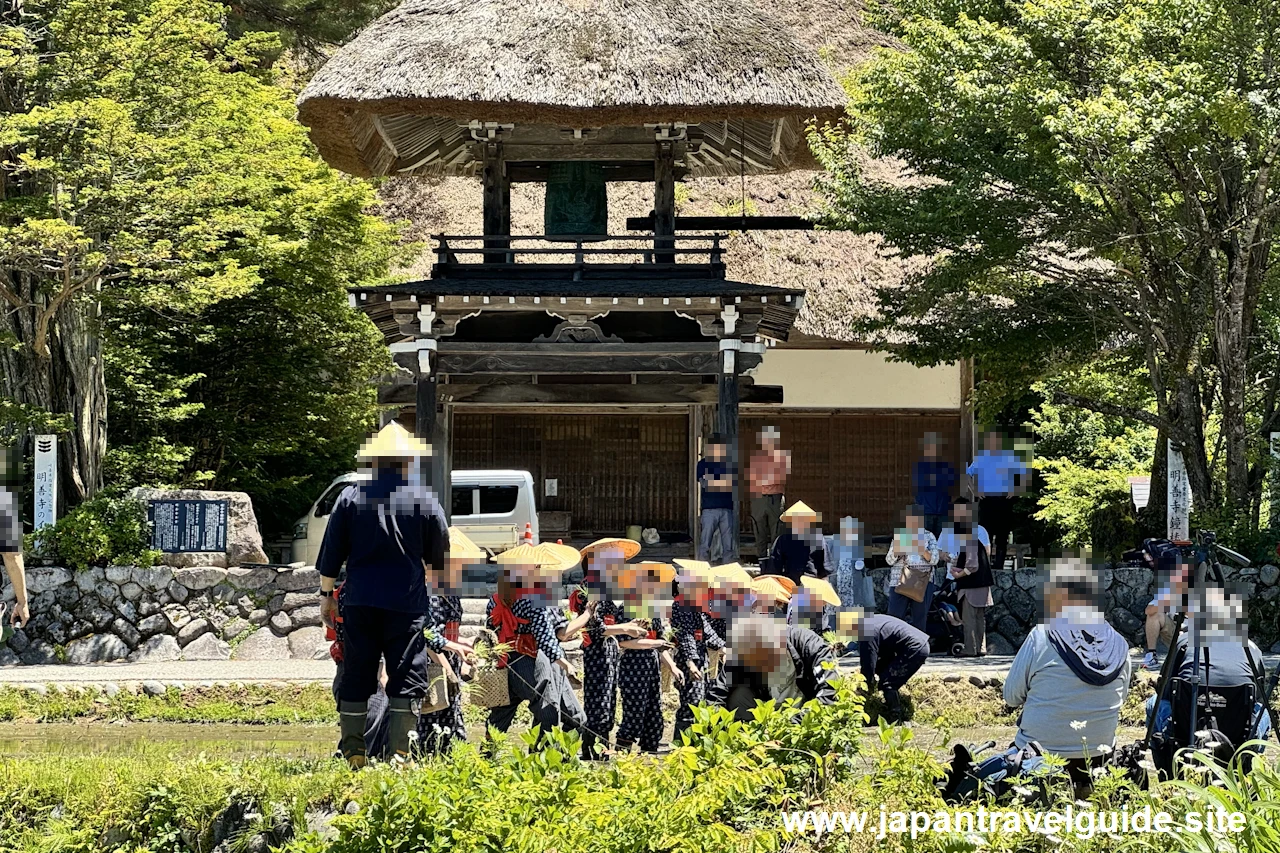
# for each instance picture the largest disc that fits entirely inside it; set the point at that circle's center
(577, 202)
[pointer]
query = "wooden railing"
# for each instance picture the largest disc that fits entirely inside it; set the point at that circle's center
(539, 255)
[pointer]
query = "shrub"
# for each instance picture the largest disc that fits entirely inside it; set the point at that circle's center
(104, 530)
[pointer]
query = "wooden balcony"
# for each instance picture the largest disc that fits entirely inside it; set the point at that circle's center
(536, 257)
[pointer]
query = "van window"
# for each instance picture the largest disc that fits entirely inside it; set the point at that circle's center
(498, 500)
(462, 504)
(324, 506)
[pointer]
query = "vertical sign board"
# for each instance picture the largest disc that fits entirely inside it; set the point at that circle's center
(1178, 505)
(188, 526)
(46, 481)
(1275, 479)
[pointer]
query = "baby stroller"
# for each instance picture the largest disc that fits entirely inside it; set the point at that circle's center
(945, 630)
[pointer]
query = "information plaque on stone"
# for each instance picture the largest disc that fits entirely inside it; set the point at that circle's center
(181, 527)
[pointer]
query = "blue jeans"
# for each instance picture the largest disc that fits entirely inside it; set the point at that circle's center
(915, 612)
(718, 522)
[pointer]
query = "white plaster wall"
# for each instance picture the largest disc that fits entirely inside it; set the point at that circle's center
(857, 379)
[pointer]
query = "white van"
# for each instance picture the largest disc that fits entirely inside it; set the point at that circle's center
(492, 507)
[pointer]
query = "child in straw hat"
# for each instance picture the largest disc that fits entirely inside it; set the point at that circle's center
(641, 660)
(437, 730)
(694, 635)
(518, 614)
(606, 623)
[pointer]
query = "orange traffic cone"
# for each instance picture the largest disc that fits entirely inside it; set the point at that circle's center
(528, 532)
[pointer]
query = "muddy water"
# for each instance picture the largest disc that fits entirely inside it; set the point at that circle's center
(53, 739)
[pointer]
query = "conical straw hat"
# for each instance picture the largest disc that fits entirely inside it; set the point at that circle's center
(821, 590)
(462, 548)
(733, 573)
(771, 587)
(631, 573)
(695, 571)
(548, 561)
(393, 440)
(799, 509)
(629, 547)
(569, 556)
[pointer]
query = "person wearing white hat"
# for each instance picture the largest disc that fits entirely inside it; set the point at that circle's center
(389, 533)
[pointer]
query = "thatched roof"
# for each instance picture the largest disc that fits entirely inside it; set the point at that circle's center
(837, 270)
(399, 97)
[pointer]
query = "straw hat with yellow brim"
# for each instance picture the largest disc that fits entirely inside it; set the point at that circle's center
(771, 587)
(733, 573)
(545, 559)
(697, 571)
(799, 509)
(821, 591)
(462, 548)
(629, 547)
(393, 441)
(631, 573)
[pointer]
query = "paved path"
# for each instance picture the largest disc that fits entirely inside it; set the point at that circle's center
(223, 672)
(187, 672)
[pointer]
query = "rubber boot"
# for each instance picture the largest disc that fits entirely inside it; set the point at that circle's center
(402, 723)
(892, 705)
(351, 724)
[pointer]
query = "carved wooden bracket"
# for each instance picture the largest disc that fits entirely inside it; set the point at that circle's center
(577, 330)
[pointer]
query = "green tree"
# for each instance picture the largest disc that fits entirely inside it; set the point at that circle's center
(152, 170)
(1088, 177)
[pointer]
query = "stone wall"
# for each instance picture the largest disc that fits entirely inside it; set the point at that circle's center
(1017, 606)
(165, 614)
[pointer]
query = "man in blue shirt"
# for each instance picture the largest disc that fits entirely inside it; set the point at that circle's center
(998, 474)
(931, 480)
(390, 531)
(717, 484)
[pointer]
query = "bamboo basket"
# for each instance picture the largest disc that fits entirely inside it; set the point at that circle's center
(715, 660)
(442, 683)
(489, 688)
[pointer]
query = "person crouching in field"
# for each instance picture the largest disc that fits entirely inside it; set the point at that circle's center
(437, 730)
(774, 660)
(889, 650)
(730, 598)
(694, 636)
(602, 563)
(641, 659)
(386, 528)
(519, 615)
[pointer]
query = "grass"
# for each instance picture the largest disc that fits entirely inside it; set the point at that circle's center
(244, 704)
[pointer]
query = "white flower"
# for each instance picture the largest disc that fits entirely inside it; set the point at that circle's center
(1078, 724)
(1105, 750)
(1098, 772)
(1024, 791)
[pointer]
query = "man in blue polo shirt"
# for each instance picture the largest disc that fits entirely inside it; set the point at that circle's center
(998, 474)
(390, 531)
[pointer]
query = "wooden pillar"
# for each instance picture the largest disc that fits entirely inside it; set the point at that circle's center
(497, 203)
(442, 458)
(433, 426)
(727, 421)
(664, 203)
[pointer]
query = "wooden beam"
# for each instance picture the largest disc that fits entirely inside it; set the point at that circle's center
(497, 202)
(664, 203)
(639, 172)
(587, 395)
(619, 152)
(726, 223)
